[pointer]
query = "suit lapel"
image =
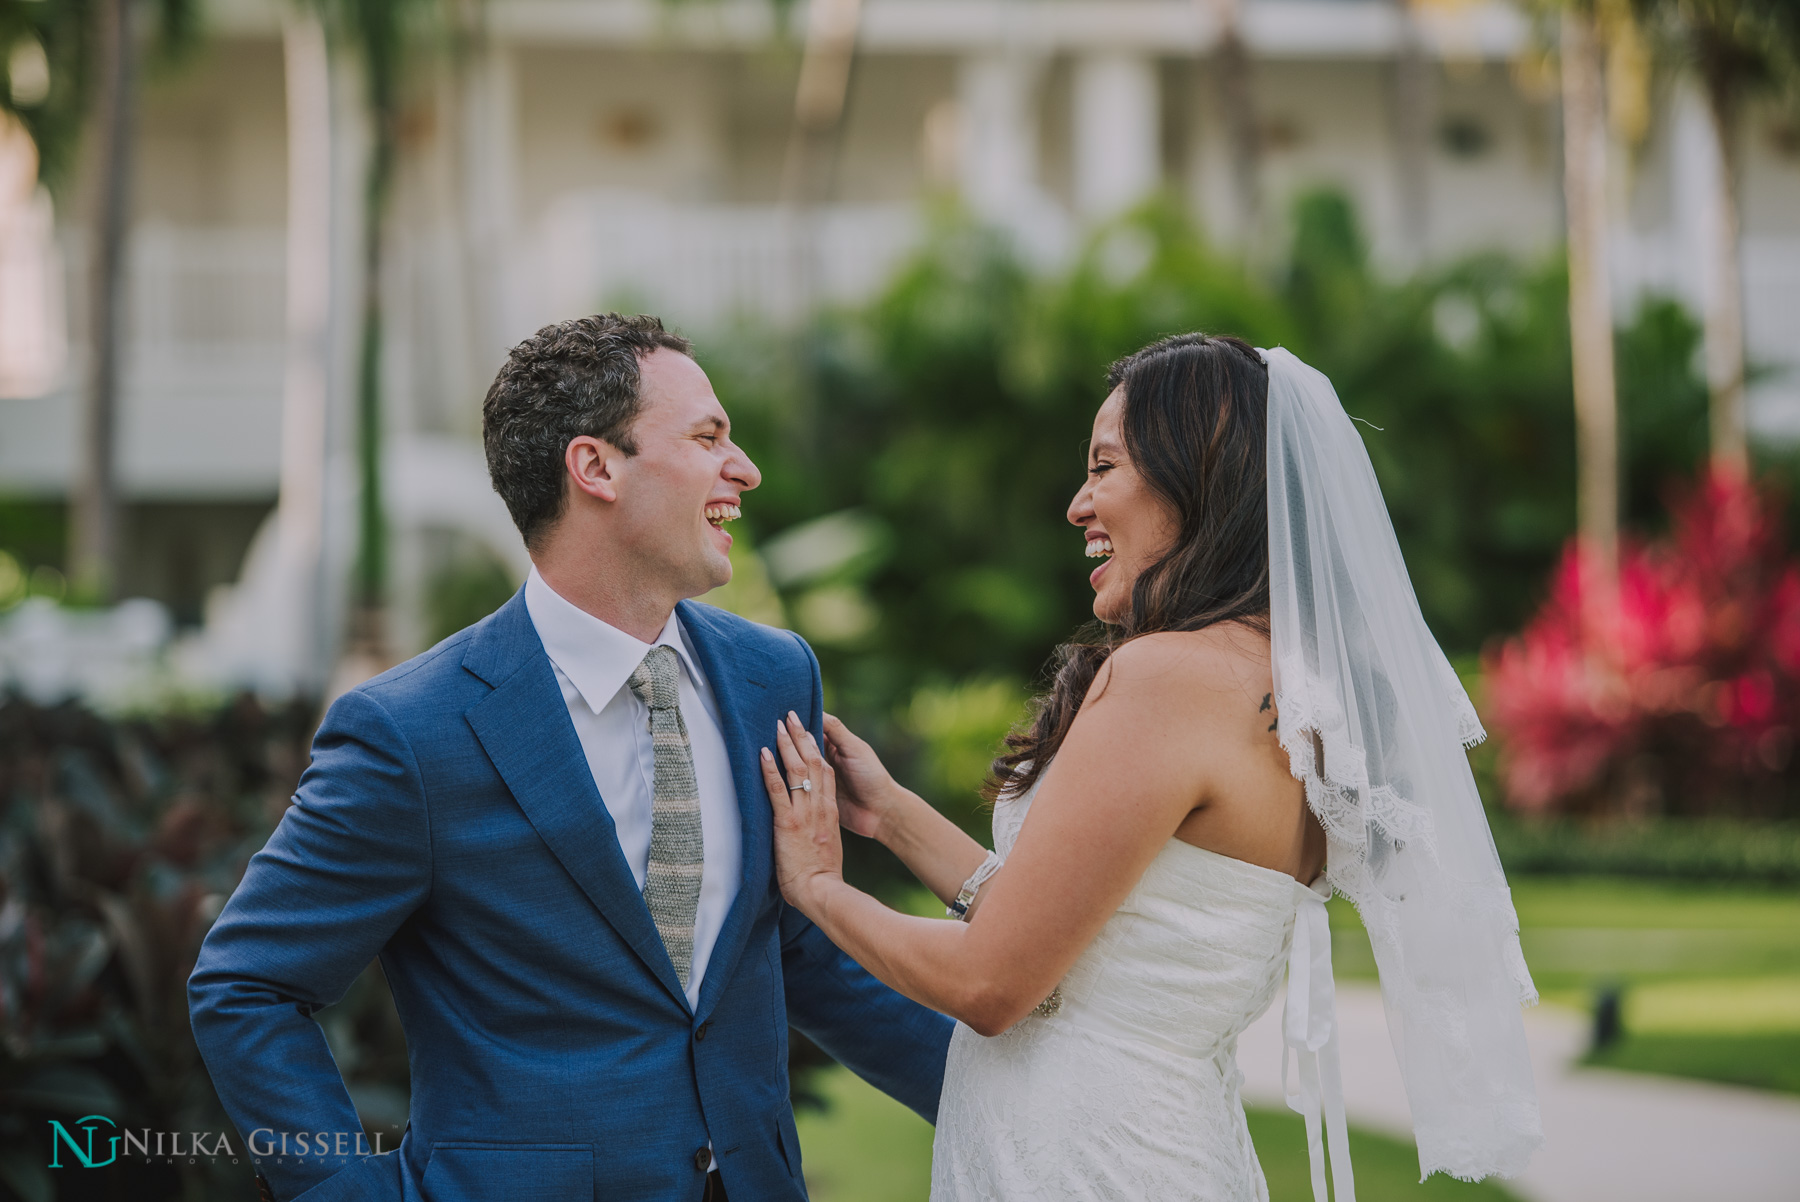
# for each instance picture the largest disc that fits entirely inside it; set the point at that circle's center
(524, 727)
(740, 679)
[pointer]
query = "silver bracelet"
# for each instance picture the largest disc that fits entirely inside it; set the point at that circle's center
(965, 897)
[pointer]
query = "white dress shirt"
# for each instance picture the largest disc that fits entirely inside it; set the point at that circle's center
(593, 662)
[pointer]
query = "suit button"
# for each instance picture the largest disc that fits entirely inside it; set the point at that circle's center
(700, 1032)
(702, 1158)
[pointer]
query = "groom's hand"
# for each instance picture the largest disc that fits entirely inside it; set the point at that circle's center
(802, 789)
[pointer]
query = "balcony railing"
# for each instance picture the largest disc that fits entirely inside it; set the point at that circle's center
(701, 265)
(204, 365)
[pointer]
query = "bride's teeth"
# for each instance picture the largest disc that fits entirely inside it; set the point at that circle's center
(1099, 548)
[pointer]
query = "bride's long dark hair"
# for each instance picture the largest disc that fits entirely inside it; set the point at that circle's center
(1196, 427)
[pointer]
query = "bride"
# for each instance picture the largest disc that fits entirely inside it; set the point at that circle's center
(1265, 719)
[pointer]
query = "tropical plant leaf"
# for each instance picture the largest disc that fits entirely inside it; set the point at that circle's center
(25, 1177)
(62, 1089)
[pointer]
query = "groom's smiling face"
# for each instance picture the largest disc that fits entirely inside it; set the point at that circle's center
(676, 495)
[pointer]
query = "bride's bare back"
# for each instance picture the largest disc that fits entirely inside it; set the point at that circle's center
(1251, 808)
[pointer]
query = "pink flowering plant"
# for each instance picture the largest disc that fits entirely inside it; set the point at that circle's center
(1675, 691)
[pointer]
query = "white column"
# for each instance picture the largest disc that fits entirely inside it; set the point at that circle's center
(33, 333)
(491, 188)
(1117, 132)
(997, 154)
(997, 95)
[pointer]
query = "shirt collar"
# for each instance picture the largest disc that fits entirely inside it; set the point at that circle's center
(598, 658)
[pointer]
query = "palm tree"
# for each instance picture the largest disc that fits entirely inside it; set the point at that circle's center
(381, 36)
(1411, 104)
(91, 51)
(1735, 48)
(94, 530)
(831, 29)
(298, 635)
(1590, 296)
(1237, 104)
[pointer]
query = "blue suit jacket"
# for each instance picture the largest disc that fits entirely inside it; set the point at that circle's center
(449, 824)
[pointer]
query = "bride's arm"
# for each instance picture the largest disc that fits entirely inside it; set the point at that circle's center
(1125, 778)
(872, 803)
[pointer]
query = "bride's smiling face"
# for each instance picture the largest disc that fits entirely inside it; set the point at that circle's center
(1128, 526)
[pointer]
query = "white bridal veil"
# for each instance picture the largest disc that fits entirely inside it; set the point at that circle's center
(1375, 724)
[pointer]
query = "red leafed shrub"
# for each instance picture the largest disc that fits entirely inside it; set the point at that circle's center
(1677, 692)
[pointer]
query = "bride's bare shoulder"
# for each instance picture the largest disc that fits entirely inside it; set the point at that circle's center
(1222, 663)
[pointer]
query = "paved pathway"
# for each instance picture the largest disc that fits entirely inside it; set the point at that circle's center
(1610, 1136)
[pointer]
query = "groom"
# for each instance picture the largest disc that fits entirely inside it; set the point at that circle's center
(552, 830)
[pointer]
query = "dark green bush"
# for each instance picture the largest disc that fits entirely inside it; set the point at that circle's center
(1668, 848)
(119, 840)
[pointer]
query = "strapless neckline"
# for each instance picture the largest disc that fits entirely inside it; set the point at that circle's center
(1256, 869)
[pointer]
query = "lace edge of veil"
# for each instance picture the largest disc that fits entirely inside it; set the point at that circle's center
(1513, 1122)
(1335, 779)
(1516, 1117)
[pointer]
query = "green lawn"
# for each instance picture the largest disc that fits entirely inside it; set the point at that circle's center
(1386, 1169)
(865, 1147)
(868, 1148)
(1712, 990)
(1581, 932)
(1763, 1061)
(1710, 973)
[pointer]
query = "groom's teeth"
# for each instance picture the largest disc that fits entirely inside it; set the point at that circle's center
(1099, 548)
(718, 514)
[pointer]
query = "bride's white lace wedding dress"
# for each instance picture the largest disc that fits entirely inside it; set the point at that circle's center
(1128, 1089)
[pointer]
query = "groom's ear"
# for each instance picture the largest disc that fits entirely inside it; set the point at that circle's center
(593, 466)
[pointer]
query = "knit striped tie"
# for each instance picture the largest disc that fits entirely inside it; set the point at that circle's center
(672, 880)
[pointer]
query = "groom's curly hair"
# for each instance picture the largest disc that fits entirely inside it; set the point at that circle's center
(1196, 427)
(569, 379)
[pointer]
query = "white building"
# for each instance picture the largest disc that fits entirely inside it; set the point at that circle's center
(584, 152)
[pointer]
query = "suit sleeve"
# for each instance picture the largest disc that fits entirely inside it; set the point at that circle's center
(348, 864)
(888, 1040)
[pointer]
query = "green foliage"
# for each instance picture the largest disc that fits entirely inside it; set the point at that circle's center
(53, 36)
(1737, 47)
(34, 532)
(118, 843)
(465, 591)
(1466, 371)
(63, 31)
(1662, 404)
(950, 416)
(957, 728)
(1668, 848)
